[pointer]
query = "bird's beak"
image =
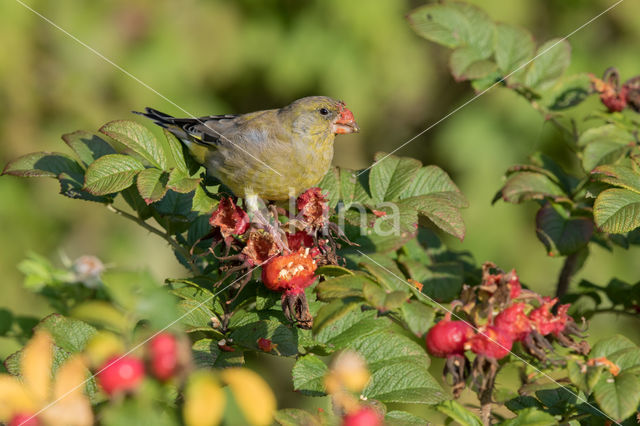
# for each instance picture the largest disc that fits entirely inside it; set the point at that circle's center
(345, 123)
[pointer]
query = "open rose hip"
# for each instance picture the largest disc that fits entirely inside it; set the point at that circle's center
(290, 273)
(491, 342)
(120, 374)
(514, 322)
(448, 337)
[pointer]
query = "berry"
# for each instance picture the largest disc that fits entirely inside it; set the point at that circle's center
(266, 345)
(365, 416)
(290, 273)
(163, 351)
(23, 419)
(448, 338)
(547, 323)
(492, 343)
(120, 374)
(513, 322)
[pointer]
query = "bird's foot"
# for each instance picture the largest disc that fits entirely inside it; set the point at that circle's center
(272, 226)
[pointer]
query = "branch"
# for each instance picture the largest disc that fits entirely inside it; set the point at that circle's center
(164, 235)
(568, 269)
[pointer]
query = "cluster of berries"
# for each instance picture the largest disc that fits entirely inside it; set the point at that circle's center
(497, 314)
(616, 97)
(289, 270)
(124, 373)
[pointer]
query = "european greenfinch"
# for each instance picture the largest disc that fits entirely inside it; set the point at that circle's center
(274, 154)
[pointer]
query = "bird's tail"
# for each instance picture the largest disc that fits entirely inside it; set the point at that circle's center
(175, 125)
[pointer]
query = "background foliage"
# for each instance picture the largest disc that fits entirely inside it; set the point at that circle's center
(220, 56)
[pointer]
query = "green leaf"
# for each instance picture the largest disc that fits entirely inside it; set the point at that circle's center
(102, 314)
(619, 350)
(442, 281)
(137, 138)
(434, 180)
(111, 173)
(531, 417)
(87, 146)
(584, 377)
(285, 337)
(513, 47)
(72, 186)
(567, 92)
(458, 413)
(176, 151)
(418, 317)
(348, 326)
(207, 354)
(329, 315)
(467, 63)
(152, 184)
(552, 59)
(390, 176)
(618, 396)
(331, 187)
(333, 271)
(603, 145)
(438, 209)
(608, 132)
(454, 25)
(195, 316)
(525, 186)
(617, 175)
(295, 417)
(341, 287)
(560, 234)
(69, 334)
(180, 182)
(202, 203)
(43, 164)
(402, 418)
(308, 375)
(385, 270)
(617, 210)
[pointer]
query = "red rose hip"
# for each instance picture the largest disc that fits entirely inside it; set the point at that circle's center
(365, 416)
(163, 351)
(448, 338)
(120, 374)
(491, 342)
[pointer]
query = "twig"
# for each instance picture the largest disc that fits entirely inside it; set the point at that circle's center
(173, 243)
(568, 269)
(486, 413)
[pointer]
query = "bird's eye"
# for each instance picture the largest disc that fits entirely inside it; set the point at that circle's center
(324, 111)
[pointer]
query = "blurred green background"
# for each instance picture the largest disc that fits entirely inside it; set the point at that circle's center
(213, 57)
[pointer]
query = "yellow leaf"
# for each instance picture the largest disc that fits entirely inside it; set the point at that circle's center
(37, 357)
(252, 394)
(14, 398)
(102, 346)
(204, 400)
(70, 406)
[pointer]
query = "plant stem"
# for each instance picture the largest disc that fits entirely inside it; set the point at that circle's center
(172, 242)
(568, 269)
(486, 414)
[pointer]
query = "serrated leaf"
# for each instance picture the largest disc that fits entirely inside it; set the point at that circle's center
(202, 203)
(467, 63)
(402, 418)
(102, 314)
(347, 324)
(513, 47)
(434, 180)
(458, 413)
(454, 25)
(390, 176)
(331, 187)
(333, 271)
(285, 337)
(341, 287)
(584, 377)
(441, 281)
(43, 164)
(207, 354)
(618, 175)
(562, 235)
(567, 92)
(617, 210)
(87, 146)
(175, 150)
(608, 132)
(418, 317)
(111, 173)
(72, 187)
(195, 316)
(308, 375)
(181, 182)
(602, 152)
(619, 396)
(552, 59)
(67, 333)
(439, 210)
(525, 186)
(152, 184)
(137, 138)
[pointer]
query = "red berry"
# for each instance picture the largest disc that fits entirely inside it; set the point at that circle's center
(545, 322)
(365, 416)
(24, 419)
(491, 342)
(164, 356)
(120, 374)
(514, 322)
(290, 273)
(266, 345)
(448, 338)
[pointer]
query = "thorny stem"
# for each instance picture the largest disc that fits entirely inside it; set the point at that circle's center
(568, 269)
(486, 413)
(173, 243)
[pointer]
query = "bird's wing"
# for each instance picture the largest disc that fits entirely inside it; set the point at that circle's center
(207, 130)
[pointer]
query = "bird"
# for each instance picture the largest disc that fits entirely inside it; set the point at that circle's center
(269, 155)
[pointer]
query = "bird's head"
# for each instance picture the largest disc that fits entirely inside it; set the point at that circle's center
(319, 115)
